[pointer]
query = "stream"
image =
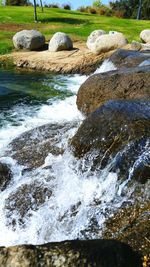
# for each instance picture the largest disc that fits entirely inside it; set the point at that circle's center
(70, 203)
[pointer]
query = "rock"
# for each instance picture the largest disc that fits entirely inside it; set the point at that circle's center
(27, 198)
(32, 147)
(127, 58)
(79, 253)
(113, 32)
(60, 41)
(93, 36)
(28, 39)
(133, 83)
(5, 176)
(118, 130)
(130, 225)
(145, 35)
(108, 42)
(136, 45)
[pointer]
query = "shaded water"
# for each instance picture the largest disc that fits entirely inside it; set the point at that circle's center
(79, 201)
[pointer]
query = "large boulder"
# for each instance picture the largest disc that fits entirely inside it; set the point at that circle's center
(60, 41)
(123, 58)
(28, 39)
(133, 83)
(79, 253)
(93, 36)
(118, 130)
(145, 36)
(5, 175)
(108, 42)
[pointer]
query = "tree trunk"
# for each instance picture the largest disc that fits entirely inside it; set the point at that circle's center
(35, 13)
(41, 5)
(139, 9)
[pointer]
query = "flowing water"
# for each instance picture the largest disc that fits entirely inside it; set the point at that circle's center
(78, 201)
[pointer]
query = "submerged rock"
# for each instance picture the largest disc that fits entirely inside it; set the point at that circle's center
(119, 130)
(5, 176)
(78, 253)
(133, 83)
(32, 147)
(27, 198)
(28, 39)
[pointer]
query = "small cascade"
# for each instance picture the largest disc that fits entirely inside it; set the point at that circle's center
(63, 198)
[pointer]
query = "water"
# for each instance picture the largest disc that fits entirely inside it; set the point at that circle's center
(76, 203)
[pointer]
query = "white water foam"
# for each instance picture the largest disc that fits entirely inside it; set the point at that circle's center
(107, 65)
(77, 198)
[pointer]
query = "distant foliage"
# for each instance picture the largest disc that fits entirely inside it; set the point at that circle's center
(53, 5)
(67, 6)
(120, 9)
(129, 8)
(92, 10)
(16, 2)
(97, 3)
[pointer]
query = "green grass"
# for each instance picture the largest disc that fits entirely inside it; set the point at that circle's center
(78, 25)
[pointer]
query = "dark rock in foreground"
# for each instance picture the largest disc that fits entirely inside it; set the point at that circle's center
(89, 253)
(133, 83)
(130, 224)
(5, 176)
(118, 130)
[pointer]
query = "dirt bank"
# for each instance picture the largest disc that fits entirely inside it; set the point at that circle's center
(78, 60)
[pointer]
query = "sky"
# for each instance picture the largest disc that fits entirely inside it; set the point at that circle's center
(75, 3)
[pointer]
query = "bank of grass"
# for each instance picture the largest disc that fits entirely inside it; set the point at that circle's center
(77, 24)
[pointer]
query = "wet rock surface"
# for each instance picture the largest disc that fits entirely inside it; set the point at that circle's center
(31, 148)
(5, 175)
(130, 224)
(98, 253)
(127, 58)
(119, 130)
(26, 199)
(132, 83)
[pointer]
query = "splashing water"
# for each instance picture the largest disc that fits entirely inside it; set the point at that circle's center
(77, 203)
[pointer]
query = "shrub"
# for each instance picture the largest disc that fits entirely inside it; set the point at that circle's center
(67, 6)
(53, 5)
(104, 11)
(82, 9)
(92, 10)
(119, 13)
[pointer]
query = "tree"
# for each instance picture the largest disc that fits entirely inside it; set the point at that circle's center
(16, 2)
(41, 5)
(97, 3)
(35, 12)
(139, 9)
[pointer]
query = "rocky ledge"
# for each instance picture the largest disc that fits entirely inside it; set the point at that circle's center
(77, 60)
(98, 253)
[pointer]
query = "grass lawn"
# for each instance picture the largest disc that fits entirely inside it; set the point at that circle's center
(78, 25)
